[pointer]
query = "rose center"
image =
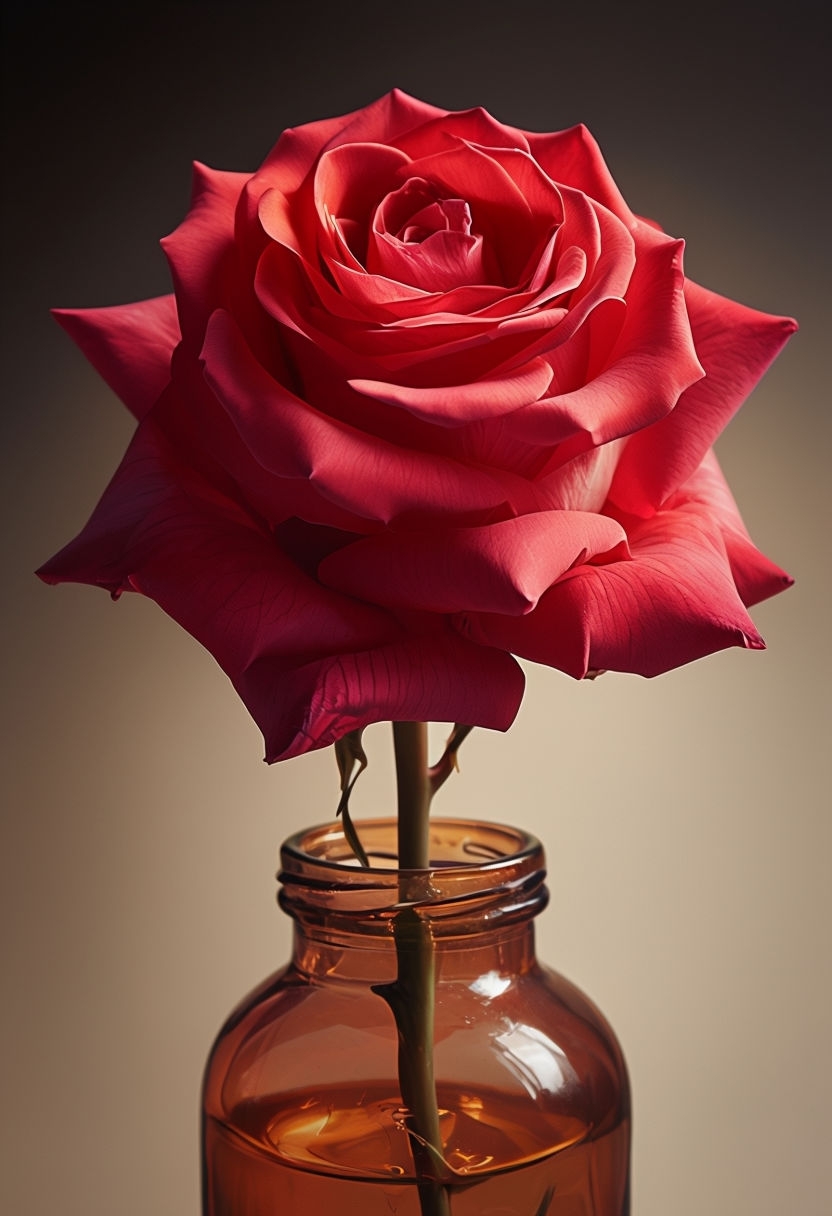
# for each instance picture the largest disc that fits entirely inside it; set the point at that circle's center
(424, 240)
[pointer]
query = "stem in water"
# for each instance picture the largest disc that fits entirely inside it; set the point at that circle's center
(411, 997)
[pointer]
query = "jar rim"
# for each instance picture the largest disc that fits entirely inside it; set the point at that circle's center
(306, 847)
(480, 872)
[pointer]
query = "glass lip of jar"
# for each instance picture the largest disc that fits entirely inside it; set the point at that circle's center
(495, 885)
(297, 846)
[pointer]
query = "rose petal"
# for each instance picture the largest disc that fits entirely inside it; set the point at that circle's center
(735, 345)
(293, 440)
(430, 349)
(195, 422)
(441, 262)
(130, 346)
(674, 602)
(582, 483)
(475, 125)
(569, 274)
(501, 212)
(756, 577)
(349, 181)
(504, 567)
(457, 404)
(201, 252)
(385, 299)
(538, 190)
(437, 677)
(652, 362)
(385, 121)
(572, 157)
(162, 531)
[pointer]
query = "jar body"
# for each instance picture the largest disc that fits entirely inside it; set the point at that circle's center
(302, 1106)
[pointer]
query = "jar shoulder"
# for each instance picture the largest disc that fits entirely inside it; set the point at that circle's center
(535, 1034)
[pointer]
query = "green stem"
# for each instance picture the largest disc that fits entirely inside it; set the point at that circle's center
(410, 743)
(411, 998)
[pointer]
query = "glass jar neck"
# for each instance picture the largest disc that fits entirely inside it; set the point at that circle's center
(478, 897)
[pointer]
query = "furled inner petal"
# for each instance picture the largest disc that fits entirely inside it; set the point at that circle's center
(348, 184)
(503, 215)
(425, 240)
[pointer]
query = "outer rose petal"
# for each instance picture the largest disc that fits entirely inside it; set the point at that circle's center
(503, 567)
(756, 577)
(130, 346)
(385, 121)
(162, 531)
(438, 677)
(674, 602)
(194, 421)
(735, 345)
(574, 157)
(201, 252)
(475, 125)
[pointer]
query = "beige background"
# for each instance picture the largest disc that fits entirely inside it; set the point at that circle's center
(686, 819)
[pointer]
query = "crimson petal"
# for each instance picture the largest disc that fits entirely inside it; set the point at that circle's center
(674, 602)
(440, 677)
(756, 576)
(735, 345)
(166, 533)
(457, 404)
(291, 439)
(130, 346)
(503, 567)
(201, 251)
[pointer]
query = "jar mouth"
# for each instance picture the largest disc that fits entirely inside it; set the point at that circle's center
(455, 844)
(475, 866)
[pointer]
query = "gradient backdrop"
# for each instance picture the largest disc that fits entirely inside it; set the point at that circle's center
(685, 819)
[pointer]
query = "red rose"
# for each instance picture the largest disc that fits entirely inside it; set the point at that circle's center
(427, 395)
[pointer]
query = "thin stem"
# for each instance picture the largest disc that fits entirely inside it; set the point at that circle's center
(410, 743)
(411, 998)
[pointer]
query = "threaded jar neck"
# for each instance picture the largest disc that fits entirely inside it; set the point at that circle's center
(482, 876)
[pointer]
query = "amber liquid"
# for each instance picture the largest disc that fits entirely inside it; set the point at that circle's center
(346, 1154)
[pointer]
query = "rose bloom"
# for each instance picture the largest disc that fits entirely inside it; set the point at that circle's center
(427, 395)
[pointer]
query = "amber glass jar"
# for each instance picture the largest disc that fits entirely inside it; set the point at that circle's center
(302, 1109)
